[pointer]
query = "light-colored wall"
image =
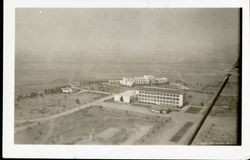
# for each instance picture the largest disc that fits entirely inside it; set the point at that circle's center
(181, 100)
(67, 90)
(117, 98)
(126, 99)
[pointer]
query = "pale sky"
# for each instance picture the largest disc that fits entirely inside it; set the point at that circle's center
(70, 30)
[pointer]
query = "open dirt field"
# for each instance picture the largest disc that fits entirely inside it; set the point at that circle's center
(195, 98)
(219, 130)
(221, 126)
(193, 110)
(175, 132)
(89, 126)
(39, 107)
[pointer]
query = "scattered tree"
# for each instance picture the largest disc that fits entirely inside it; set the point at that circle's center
(19, 98)
(40, 132)
(33, 94)
(121, 99)
(41, 94)
(78, 101)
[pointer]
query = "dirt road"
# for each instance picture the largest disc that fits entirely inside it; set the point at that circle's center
(65, 112)
(45, 139)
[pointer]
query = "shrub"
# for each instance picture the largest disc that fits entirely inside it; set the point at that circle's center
(40, 133)
(78, 101)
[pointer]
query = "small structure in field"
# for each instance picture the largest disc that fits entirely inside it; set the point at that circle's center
(160, 109)
(125, 97)
(67, 90)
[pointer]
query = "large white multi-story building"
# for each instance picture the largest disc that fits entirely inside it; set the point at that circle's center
(140, 80)
(159, 80)
(145, 80)
(161, 96)
(127, 82)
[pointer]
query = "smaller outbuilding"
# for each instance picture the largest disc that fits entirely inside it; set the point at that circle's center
(125, 97)
(67, 90)
(161, 108)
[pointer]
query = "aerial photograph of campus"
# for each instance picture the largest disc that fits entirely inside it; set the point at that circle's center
(127, 76)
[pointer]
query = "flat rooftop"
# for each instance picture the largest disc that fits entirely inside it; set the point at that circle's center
(163, 90)
(128, 93)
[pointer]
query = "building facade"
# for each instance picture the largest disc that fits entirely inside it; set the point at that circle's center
(67, 90)
(145, 80)
(141, 81)
(116, 81)
(161, 96)
(125, 97)
(159, 80)
(127, 82)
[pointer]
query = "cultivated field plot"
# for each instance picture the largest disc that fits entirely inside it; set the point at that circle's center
(220, 128)
(231, 101)
(181, 132)
(193, 110)
(196, 98)
(232, 87)
(32, 108)
(93, 125)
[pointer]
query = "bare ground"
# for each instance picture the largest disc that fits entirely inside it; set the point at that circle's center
(83, 127)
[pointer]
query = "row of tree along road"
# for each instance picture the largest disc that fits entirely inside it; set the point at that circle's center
(46, 91)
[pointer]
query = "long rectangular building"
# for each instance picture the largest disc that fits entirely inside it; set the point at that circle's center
(161, 96)
(145, 80)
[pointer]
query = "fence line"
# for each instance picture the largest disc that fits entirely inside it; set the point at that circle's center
(153, 130)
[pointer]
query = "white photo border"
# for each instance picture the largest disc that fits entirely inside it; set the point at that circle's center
(11, 150)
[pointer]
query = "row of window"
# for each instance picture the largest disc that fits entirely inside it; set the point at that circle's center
(149, 96)
(157, 93)
(169, 104)
(157, 100)
(141, 82)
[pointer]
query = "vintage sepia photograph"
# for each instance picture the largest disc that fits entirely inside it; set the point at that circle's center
(128, 76)
(116, 79)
